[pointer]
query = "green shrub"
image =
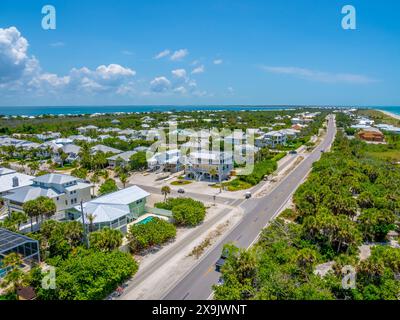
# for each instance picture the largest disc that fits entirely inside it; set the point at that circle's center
(154, 232)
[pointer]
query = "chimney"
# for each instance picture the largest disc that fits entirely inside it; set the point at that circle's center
(15, 182)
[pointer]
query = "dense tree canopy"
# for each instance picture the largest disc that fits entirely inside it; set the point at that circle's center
(350, 198)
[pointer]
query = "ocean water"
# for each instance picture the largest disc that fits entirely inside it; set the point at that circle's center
(395, 110)
(34, 111)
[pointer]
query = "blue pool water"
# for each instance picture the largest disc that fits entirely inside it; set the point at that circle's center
(144, 221)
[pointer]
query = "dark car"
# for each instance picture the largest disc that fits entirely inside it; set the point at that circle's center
(292, 152)
(247, 195)
(181, 190)
(221, 261)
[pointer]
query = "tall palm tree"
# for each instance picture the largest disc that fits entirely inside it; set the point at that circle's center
(165, 190)
(123, 178)
(91, 217)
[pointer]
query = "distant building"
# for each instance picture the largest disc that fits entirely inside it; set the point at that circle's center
(104, 149)
(48, 136)
(121, 159)
(371, 135)
(83, 130)
(66, 191)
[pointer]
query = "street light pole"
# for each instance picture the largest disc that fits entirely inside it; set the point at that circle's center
(85, 237)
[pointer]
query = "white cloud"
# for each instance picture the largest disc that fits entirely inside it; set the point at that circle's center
(160, 84)
(218, 61)
(162, 54)
(180, 90)
(179, 54)
(199, 69)
(13, 54)
(22, 76)
(319, 76)
(230, 90)
(179, 73)
(114, 71)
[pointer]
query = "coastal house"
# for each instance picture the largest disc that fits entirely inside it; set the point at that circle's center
(200, 165)
(105, 149)
(48, 136)
(236, 138)
(120, 159)
(168, 161)
(371, 135)
(87, 129)
(274, 138)
(389, 128)
(10, 180)
(66, 191)
(114, 210)
(72, 152)
(81, 137)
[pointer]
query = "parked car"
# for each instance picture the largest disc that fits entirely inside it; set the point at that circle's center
(247, 195)
(220, 281)
(292, 152)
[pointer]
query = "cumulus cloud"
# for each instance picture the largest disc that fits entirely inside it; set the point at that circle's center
(180, 90)
(199, 69)
(22, 76)
(320, 76)
(179, 54)
(218, 61)
(162, 54)
(13, 54)
(160, 84)
(179, 73)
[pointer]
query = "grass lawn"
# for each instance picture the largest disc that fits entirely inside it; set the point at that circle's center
(385, 155)
(66, 167)
(234, 185)
(180, 182)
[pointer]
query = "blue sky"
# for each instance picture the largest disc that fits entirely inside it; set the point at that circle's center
(214, 52)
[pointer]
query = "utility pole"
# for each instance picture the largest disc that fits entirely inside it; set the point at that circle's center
(85, 237)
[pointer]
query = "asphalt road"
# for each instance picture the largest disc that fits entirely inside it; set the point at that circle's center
(196, 284)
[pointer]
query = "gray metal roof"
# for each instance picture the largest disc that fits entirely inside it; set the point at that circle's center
(24, 194)
(124, 156)
(56, 178)
(10, 240)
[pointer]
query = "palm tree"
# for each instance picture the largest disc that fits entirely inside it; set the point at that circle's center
(15, 277)
(91, 217)
(34, 166)
(165, 190)
(123, 178)
(213, 172)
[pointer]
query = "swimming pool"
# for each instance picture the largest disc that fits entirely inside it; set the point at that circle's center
(146, 220)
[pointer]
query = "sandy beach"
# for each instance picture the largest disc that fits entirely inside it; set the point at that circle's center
(393, 115)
